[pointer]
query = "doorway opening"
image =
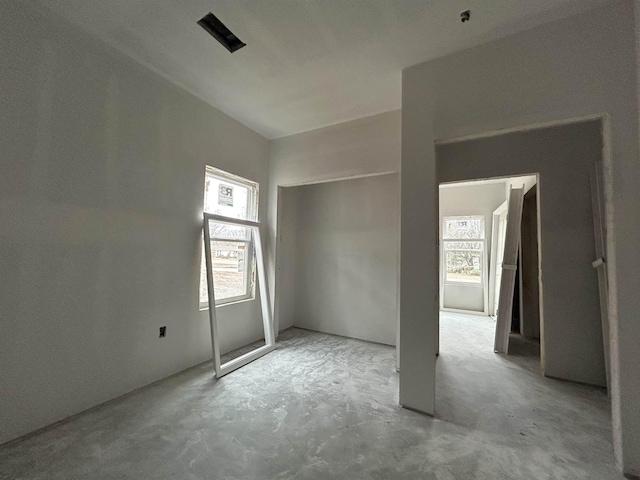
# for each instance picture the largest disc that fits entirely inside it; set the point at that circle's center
(474, 386)
(337, 257)
(478, 231)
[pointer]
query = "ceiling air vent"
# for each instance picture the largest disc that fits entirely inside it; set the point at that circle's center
(221, 33)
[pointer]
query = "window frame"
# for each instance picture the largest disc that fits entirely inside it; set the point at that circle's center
(267, 323)
(253, 193)
(482, 251)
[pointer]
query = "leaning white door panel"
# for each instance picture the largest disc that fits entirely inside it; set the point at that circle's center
(508, 278)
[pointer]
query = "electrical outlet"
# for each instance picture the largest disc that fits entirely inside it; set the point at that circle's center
(163, 332)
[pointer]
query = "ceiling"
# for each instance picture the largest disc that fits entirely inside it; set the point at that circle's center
(307, 63)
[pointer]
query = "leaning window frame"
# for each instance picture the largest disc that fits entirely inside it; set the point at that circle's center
(253, 193)
(482, 240)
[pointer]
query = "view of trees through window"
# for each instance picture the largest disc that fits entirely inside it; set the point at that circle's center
(231, 246)
(463, 249)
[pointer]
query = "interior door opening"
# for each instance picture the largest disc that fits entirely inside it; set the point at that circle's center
(475, 234)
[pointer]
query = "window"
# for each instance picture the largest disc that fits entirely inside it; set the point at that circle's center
(463, 246)
(231, 246)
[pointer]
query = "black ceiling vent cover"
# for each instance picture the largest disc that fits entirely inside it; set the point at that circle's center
(221, 33)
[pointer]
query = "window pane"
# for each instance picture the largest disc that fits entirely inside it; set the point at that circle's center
(225, 198)
(450, 245)
(232, 232)
(463, 227)
(230, 270)
(463, 266)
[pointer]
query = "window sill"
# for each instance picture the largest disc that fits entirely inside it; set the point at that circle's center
(235, 302)
(464, 284)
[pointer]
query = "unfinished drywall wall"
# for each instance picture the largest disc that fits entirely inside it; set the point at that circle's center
(287, 229)
(572, 339)
(466, 200)
(346, 258)
(579, 66)
(101, 193)
(368, 146)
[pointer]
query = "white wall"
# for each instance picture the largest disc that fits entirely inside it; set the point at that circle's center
(288, 227)
(368, 146)
(101, 192)
(465, 200)
(579, 66)
(346, 258)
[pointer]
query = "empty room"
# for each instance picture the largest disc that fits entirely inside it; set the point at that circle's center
(319, 239)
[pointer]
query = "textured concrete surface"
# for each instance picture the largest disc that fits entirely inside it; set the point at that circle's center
(323, 407)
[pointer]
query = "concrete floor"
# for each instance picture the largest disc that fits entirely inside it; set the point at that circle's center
(323, 407)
